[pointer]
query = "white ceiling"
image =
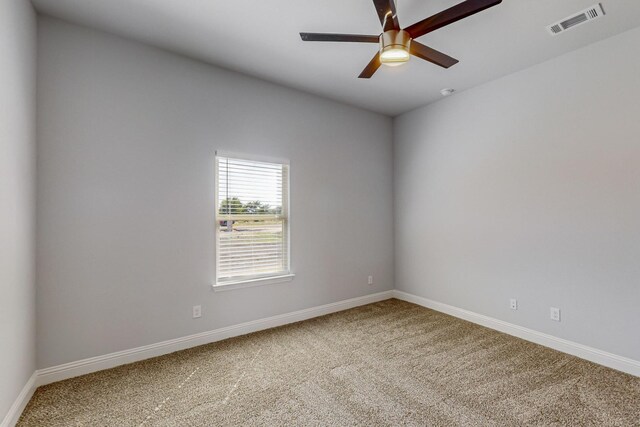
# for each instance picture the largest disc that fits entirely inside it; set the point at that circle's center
(260, 38)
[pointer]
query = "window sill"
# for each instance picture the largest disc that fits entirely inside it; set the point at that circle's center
(253, 282)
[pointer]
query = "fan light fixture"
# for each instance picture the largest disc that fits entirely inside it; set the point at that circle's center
(394, 57)
(397, 45)
(394, 47)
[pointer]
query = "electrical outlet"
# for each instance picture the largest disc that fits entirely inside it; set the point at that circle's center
(513, 304)
(554, 314)
(197, 311)
(370, 280)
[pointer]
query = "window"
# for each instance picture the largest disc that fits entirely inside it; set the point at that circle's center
(252, 221)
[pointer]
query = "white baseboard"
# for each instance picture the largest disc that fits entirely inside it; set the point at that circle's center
(20, 403)
(98, 363)
(591, 354)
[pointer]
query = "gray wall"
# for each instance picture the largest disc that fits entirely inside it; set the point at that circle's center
(126, 136)
(17, 197)
(529, 187)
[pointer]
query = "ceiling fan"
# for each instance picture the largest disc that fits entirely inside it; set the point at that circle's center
(396, 44)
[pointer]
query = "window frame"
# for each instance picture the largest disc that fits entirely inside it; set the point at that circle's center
(251, 281)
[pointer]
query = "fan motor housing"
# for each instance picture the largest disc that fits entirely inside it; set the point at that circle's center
(394, 39)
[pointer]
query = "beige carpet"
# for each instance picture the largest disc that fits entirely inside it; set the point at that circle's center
(384, 364)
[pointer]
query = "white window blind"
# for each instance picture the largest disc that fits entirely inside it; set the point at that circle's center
(252, 224)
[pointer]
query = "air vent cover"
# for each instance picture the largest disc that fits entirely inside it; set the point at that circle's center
(594, 12)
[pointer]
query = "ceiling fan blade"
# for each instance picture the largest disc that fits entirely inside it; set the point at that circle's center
(431, 55)
(449, 16)
(371, 67)
(326, 37)
(387, 13)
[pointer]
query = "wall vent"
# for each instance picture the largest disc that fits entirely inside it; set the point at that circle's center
(594, 12)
